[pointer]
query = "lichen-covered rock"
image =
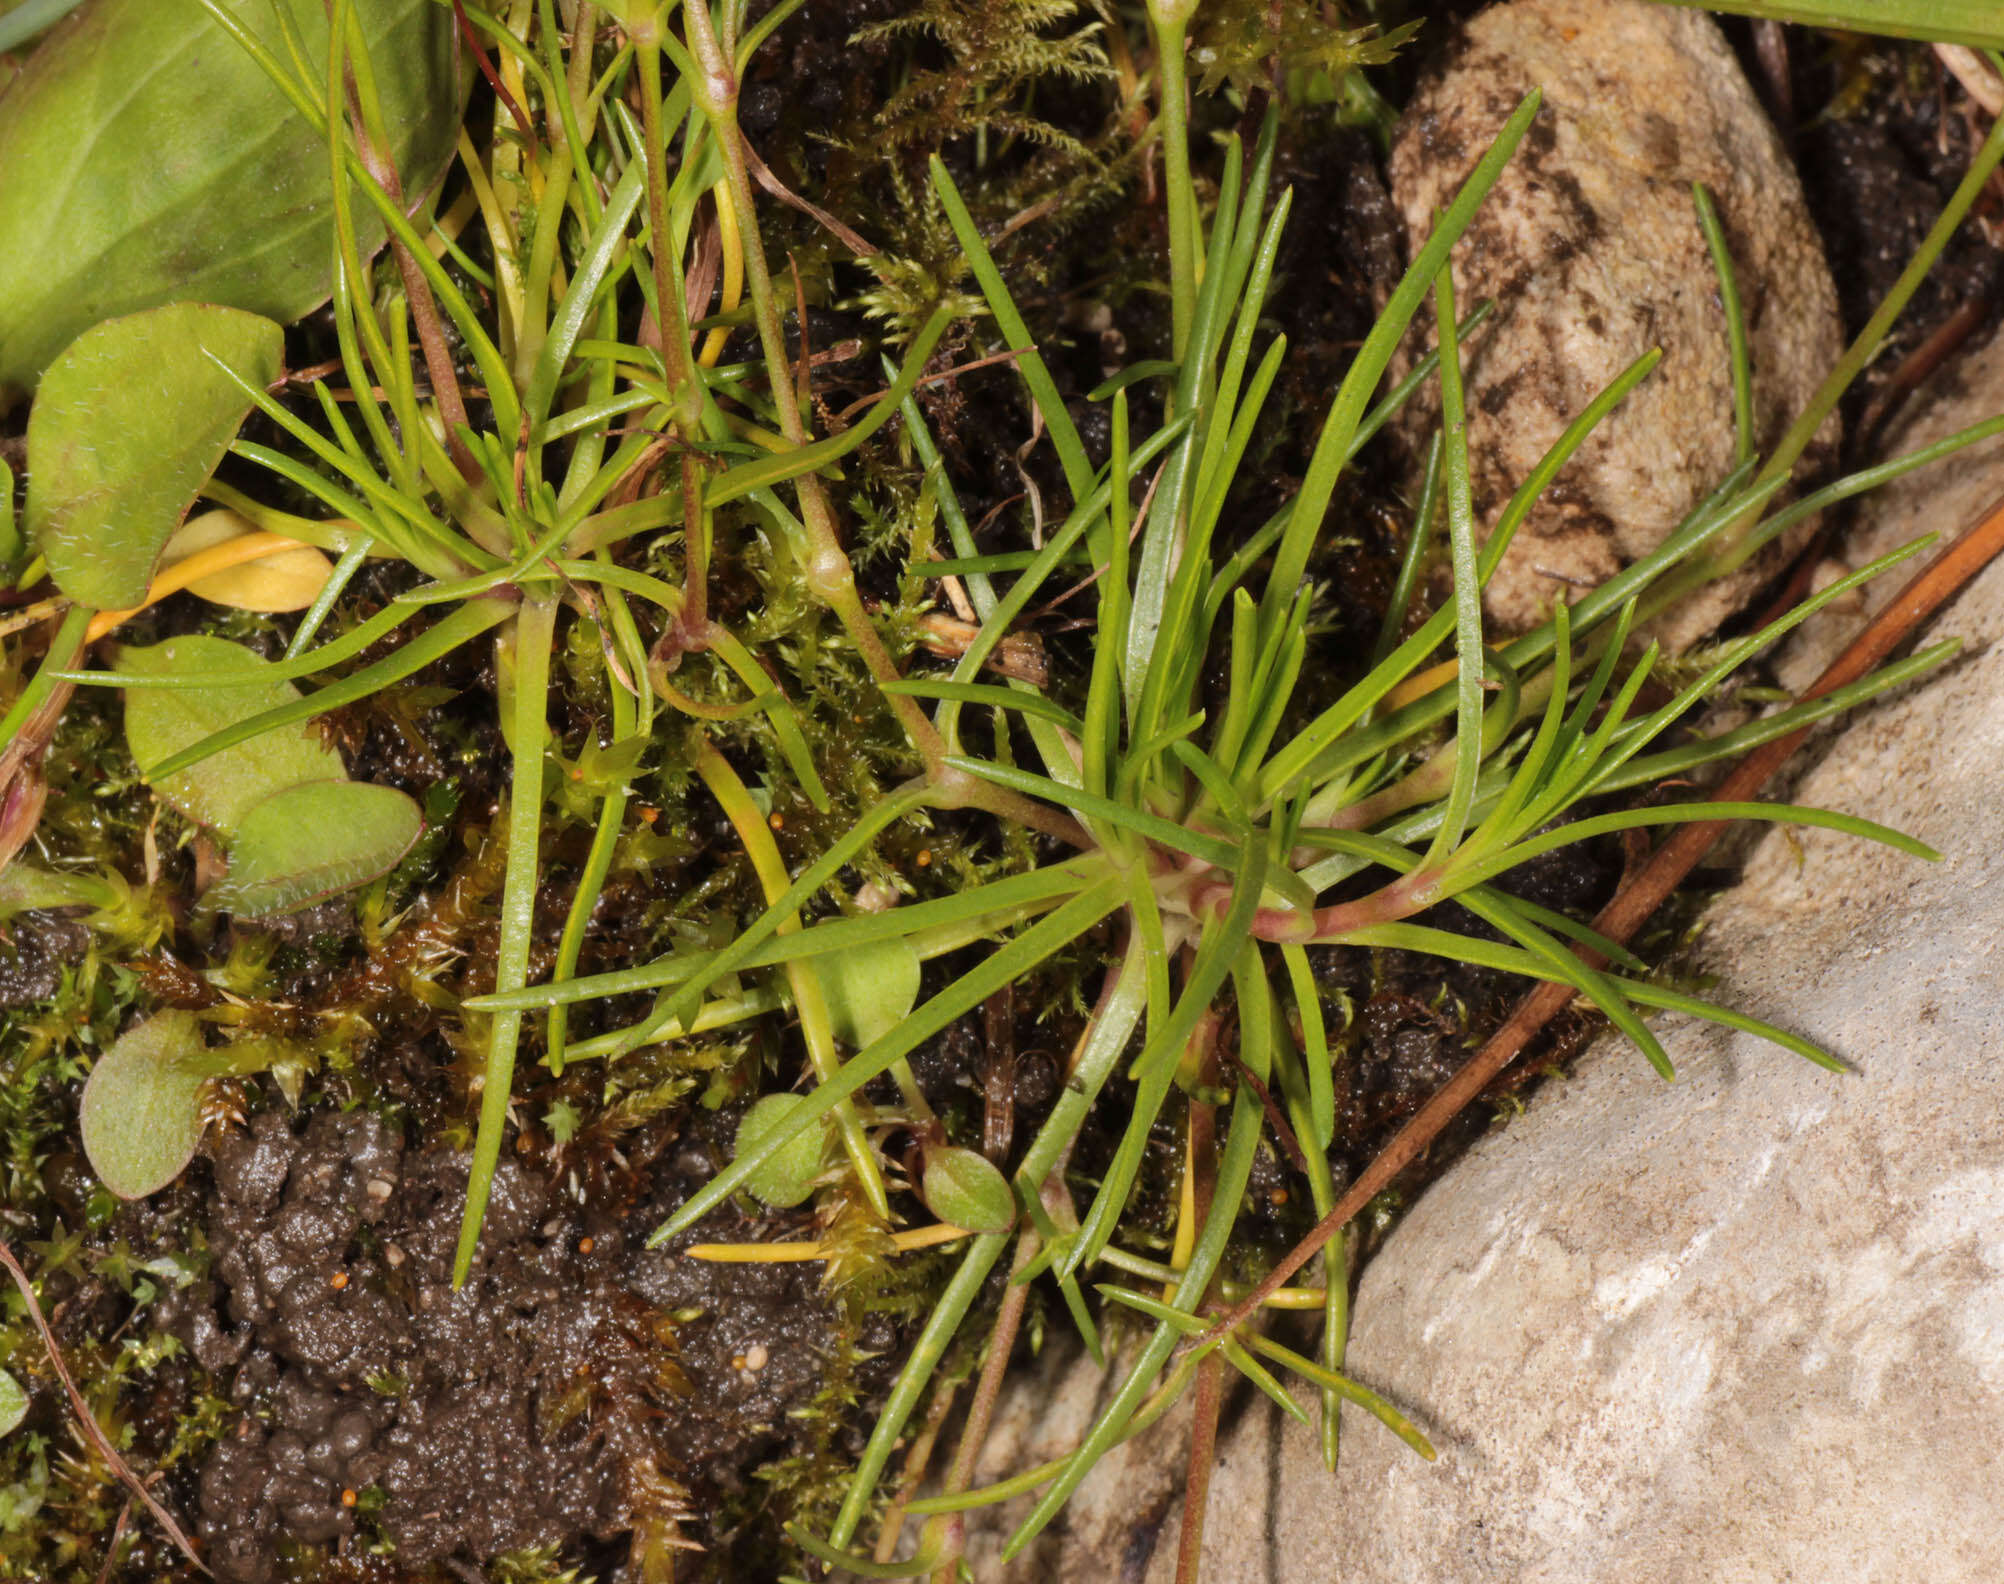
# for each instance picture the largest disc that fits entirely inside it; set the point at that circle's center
(1590, 245)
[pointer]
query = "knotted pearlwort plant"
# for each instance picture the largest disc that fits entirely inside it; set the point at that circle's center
(1224, 844)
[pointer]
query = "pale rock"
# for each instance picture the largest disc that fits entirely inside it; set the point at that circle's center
(1590, 245)
(1125, 1512)
(1745, 1328)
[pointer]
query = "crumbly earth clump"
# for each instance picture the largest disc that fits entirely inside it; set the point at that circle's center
(578, 1385)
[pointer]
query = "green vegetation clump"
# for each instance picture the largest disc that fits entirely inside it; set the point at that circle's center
(581, 741)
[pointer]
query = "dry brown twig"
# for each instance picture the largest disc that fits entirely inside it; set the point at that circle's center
(87, 1421)
(1977, 79)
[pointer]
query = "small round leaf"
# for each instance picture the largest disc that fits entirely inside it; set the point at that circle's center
(13, 1403)
(788, 1178)
(965, 1190)
(870, 989)
(129, 422)
(141, 1111)
(314, 841)
(219, 790)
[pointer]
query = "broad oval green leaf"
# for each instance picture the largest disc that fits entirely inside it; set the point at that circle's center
(965, 1190)
(788, 1178)
(146, 158)
(220, 790)
(313, 841)
(13, 1403)
(870, 989)
(130, 422)
(141, 1111)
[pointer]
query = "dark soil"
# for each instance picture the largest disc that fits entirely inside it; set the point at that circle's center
(33, 954)
(1881, 138)
(577, 1388)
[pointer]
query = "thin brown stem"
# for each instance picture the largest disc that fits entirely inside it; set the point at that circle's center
(1396, 899)
(829, 575)
(683, 379)
(117, 1539)
(762, 174)
(1902, 616)
(917, 1460)
(1201, 1163)
(692, 625)
(1206, 1401)
(425, 320)
(87, 1421)
(974, 1433)
(482, 60)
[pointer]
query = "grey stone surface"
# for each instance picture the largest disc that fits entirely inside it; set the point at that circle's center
(1590, 244)
(1120, 1519)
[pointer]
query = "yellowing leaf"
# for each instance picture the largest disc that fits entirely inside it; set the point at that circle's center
(221, 789)
(129, 423)
(313, 841)
(289, 580)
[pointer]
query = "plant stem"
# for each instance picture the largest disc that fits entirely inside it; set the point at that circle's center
(87, 1425)
(1199, 1184)
(830, 576)
(809, 1002)
(1206, 1401)
(987, 1390)
(42, 687)
(829, 573)
(670, 312)
(1861, 351)
(626, 720)
(1121, 999)
(534, 632)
